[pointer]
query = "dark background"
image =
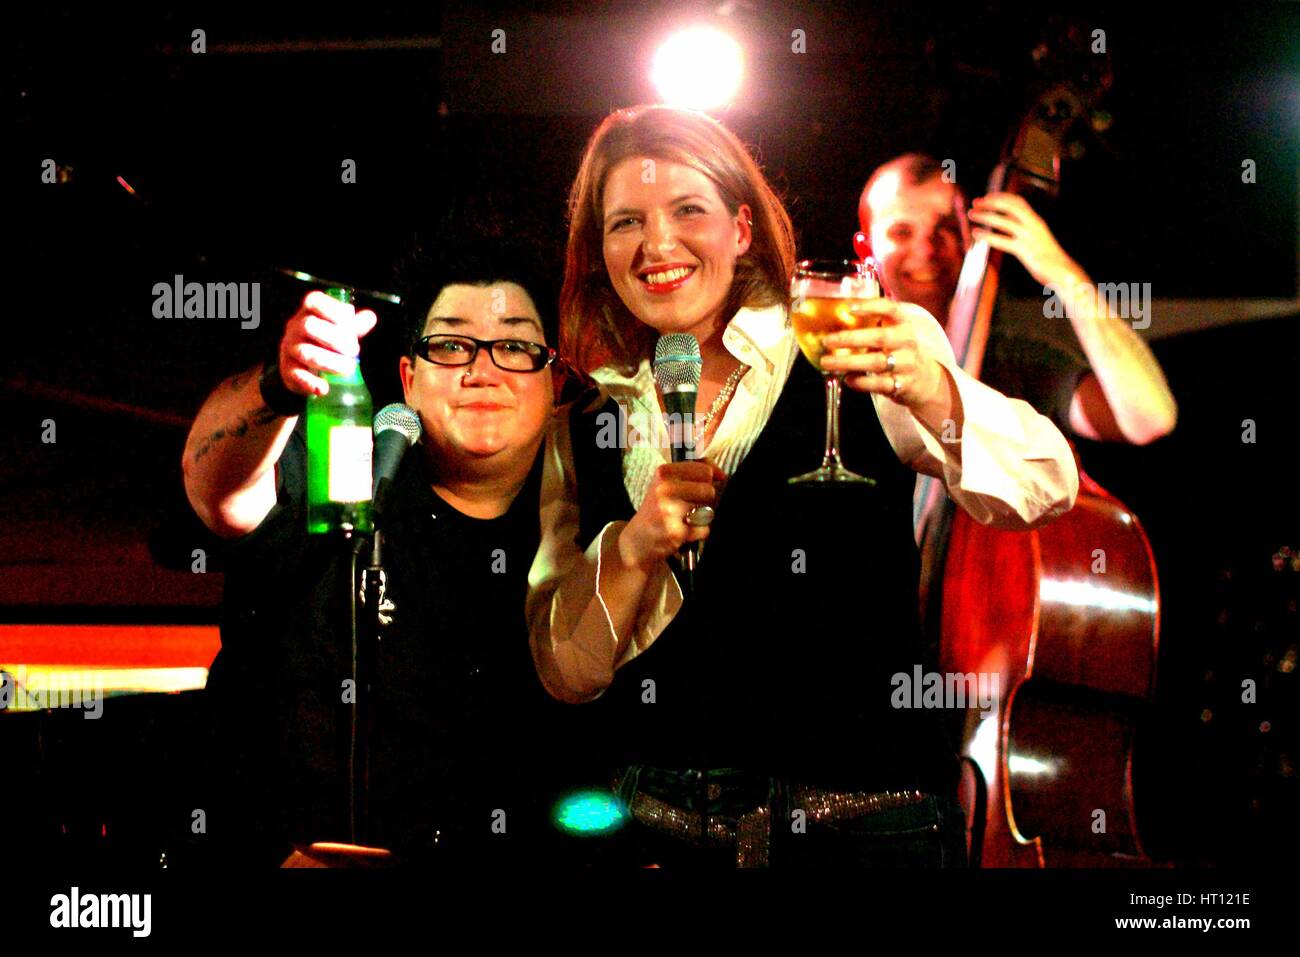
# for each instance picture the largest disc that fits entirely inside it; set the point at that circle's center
(235, 158)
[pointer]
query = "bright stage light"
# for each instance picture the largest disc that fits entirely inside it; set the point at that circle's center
(698, 68)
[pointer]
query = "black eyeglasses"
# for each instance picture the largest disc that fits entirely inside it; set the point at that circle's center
(511, 355)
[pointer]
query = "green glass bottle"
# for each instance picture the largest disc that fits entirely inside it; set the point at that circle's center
(339, 449)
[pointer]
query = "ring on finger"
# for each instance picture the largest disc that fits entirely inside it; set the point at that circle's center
(894, 392)
(699, 516)
(890, 362)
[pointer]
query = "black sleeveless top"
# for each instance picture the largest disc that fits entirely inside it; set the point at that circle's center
(804, 608)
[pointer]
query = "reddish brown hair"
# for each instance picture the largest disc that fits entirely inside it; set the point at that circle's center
(596, 328)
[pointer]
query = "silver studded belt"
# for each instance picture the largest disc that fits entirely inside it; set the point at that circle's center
(751, 833)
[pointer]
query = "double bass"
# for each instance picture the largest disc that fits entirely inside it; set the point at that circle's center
(1067, 617)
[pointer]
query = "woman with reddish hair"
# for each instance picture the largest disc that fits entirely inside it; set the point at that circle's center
(757, 720)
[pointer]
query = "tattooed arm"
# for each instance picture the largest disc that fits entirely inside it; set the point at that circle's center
(230, 455)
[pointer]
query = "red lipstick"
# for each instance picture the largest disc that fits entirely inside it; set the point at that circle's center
(671, 284)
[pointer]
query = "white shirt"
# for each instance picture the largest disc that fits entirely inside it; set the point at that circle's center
(1015, 471)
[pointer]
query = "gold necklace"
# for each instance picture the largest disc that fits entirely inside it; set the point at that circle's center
(702, 422)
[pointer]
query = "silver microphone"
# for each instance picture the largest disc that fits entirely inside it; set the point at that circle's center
(677, 366)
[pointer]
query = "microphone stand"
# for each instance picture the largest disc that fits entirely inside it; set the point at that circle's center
(358, 711)
(366, 633)
(363, 633)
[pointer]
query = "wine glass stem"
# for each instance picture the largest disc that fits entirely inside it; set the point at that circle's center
(831, 457)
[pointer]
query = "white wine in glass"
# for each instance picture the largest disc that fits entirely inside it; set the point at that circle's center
(828, 296)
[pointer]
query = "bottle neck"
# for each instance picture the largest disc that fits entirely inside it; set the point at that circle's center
(354, 376)
(351, 378)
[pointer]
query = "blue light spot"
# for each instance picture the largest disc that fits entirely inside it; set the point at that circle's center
(589, 812)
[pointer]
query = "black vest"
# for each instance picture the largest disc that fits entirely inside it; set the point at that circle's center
(804, 608)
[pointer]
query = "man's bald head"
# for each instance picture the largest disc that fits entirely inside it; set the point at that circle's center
(910, 169)
(916, 224)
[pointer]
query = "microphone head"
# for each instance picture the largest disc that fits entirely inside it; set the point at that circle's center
(677, 363)
(399, 418)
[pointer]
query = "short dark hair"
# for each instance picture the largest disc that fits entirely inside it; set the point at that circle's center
(474, 261)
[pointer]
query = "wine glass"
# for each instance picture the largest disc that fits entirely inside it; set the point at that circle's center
(828, 294)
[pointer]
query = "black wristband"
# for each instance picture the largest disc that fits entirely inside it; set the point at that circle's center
(276, 394)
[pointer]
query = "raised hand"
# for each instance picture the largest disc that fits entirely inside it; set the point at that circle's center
(886, 357)
(1007, 222)
(322, 336)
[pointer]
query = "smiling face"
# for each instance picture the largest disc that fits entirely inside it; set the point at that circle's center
(916, 233)
(670, 245)
(478, 415)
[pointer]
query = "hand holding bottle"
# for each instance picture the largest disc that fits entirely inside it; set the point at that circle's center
(321, 337)
(340, 444)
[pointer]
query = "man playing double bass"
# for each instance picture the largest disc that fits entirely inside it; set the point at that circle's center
(919, 229)
(1112, 390)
